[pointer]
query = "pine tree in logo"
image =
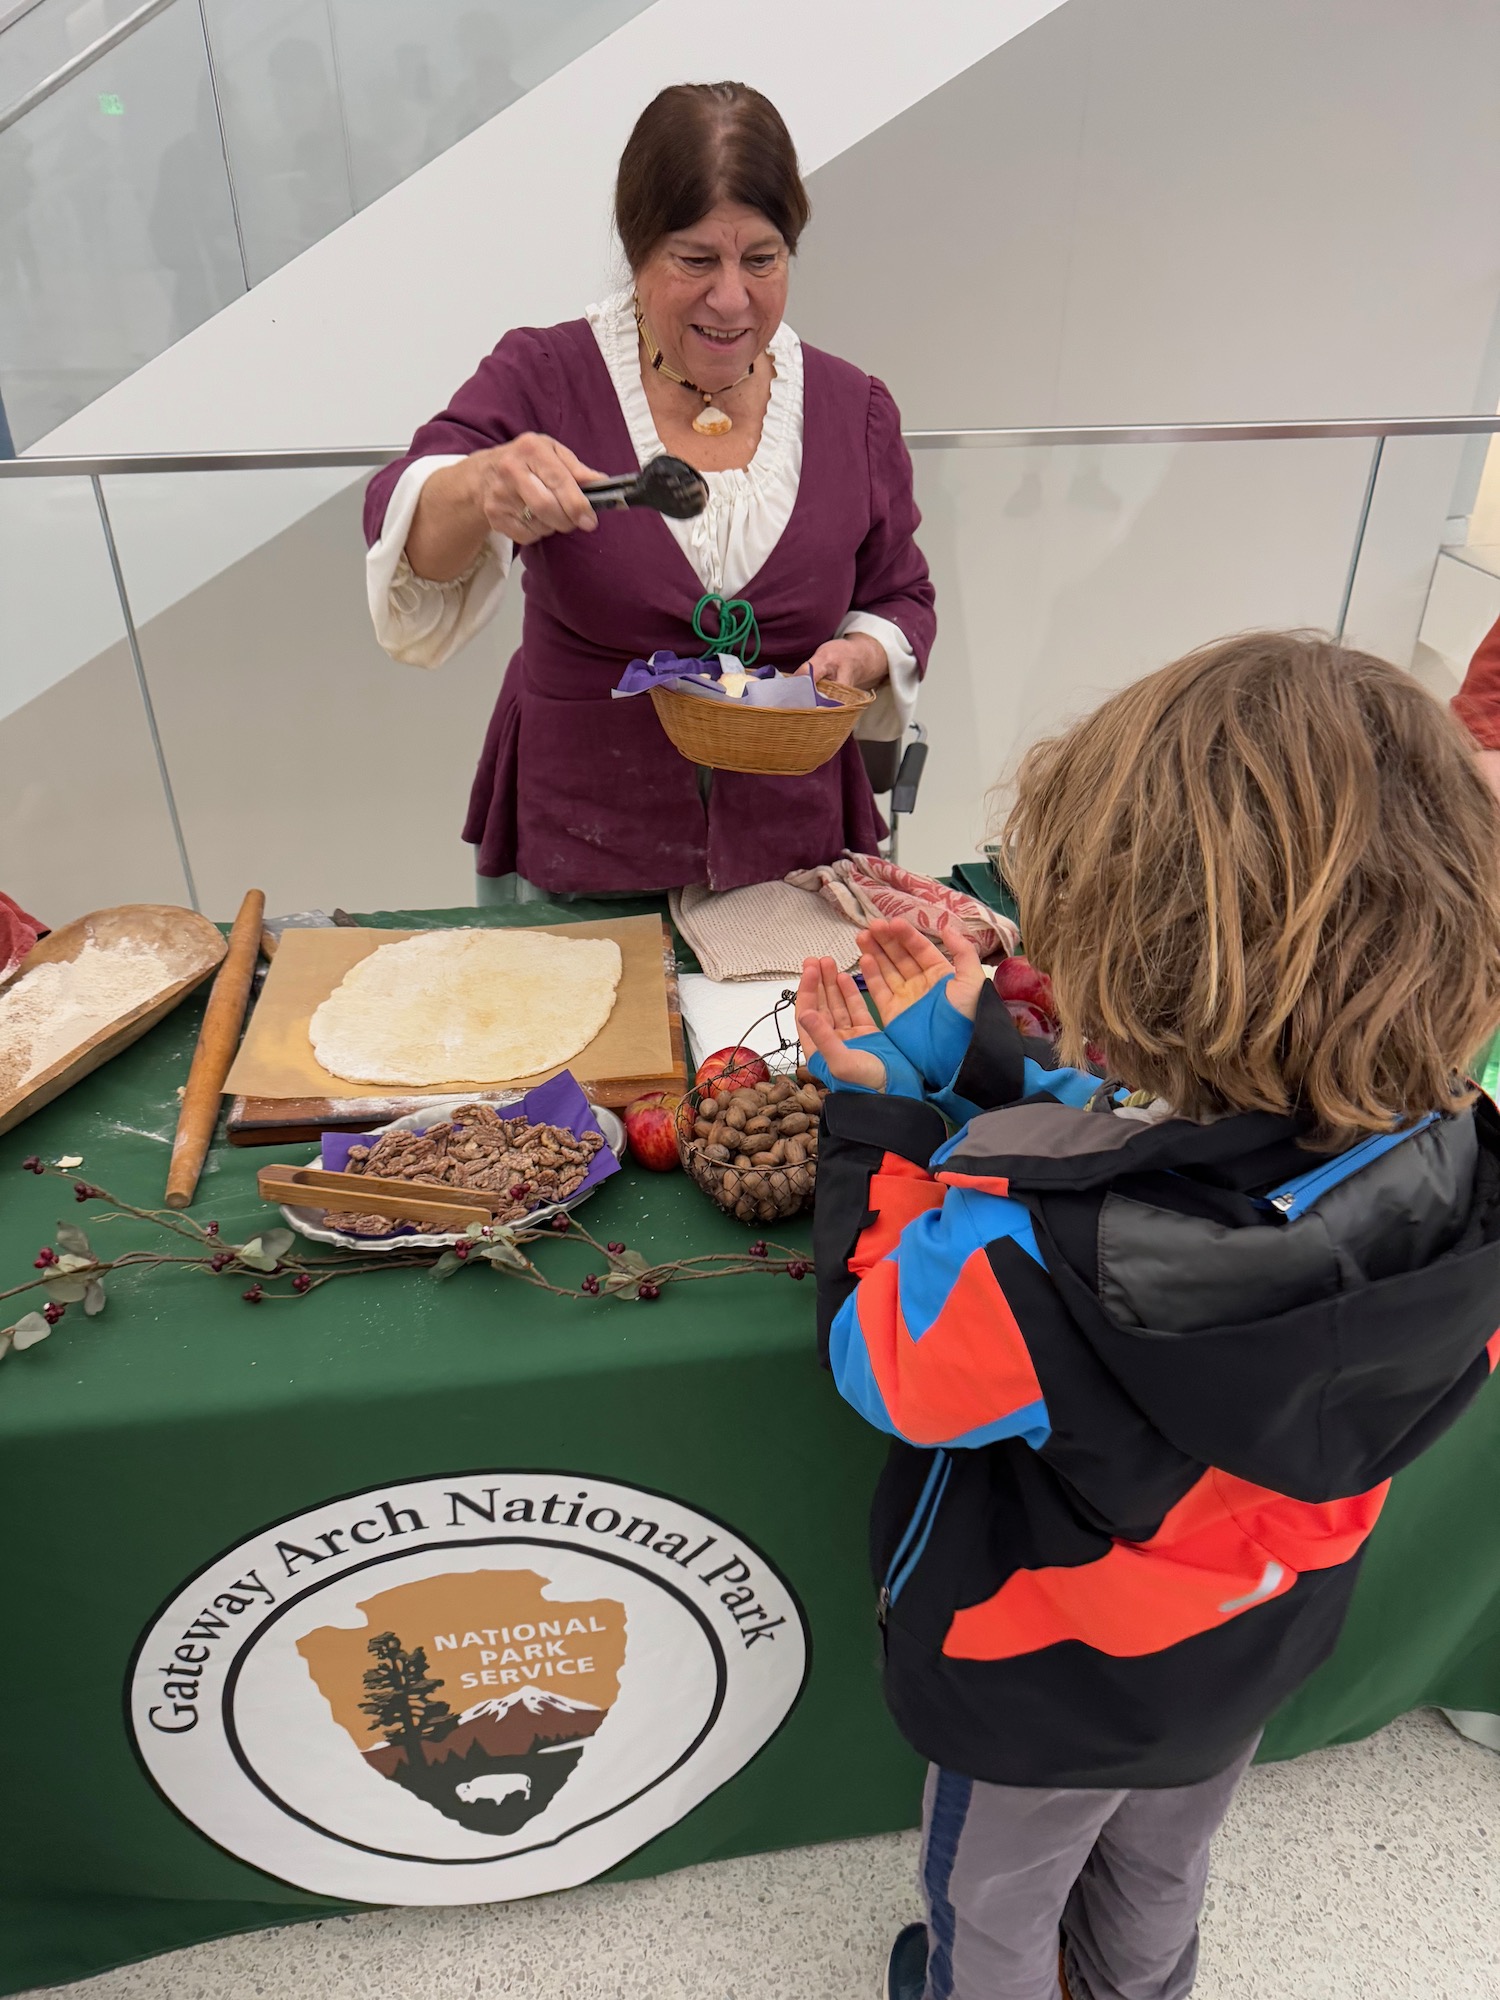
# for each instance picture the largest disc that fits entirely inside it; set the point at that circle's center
(399, 1695)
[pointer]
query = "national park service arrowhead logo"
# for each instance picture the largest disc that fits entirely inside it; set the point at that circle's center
(494, 1763)
(464, 1689)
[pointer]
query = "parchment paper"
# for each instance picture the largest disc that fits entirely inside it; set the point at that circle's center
(276, 1058)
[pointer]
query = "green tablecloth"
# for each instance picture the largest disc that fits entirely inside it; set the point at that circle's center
(136, 1446)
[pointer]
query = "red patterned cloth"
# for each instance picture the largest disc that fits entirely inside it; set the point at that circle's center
(18, 933)
(864, 886)
(1477, 703)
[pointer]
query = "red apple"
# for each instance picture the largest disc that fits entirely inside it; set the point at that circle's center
(651, 1128)
(1018, 979)
(1030, 1021)
(745, 1063)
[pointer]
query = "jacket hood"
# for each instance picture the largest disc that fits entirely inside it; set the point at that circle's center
(1301, 1321)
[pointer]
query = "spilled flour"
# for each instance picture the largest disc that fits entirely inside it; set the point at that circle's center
(50, 1010)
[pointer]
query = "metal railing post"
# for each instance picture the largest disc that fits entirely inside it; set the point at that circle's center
(1359, 537)
(361, 457)
(134, 643)
(234, 199)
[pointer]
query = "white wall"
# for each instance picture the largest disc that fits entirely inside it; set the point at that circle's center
(1168, 210)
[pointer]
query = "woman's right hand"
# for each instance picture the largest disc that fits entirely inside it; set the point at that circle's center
(525, 490)
(530, 488)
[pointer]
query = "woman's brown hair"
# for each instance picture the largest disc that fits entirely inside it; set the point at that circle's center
(695, 145)
(1267, 878)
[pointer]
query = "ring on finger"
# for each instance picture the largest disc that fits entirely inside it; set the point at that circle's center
(527, 517)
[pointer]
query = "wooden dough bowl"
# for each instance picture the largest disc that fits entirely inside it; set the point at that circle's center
(190, 948)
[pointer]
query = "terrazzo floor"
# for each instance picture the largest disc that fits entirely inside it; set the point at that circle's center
(1365, 1873)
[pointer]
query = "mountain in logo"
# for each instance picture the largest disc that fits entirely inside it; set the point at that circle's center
(514, 1720)
(507, 1727)
(394, 1686)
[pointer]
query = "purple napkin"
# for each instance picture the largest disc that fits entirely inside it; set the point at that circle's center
(558, 1101)
(665, 668)
(642, 675)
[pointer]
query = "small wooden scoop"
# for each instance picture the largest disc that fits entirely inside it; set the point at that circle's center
(427, 1202)
(670, 485)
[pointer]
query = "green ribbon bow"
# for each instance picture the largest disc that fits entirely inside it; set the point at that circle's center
(738, 632)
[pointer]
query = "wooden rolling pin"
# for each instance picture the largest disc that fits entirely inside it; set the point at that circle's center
(218, 1038)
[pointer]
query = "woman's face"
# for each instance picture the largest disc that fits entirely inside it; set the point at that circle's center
(714, 294)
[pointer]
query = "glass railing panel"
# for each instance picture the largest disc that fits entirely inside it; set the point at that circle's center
(419, 75)
(84, 818)
(116, 228)
(1404, 533)
(278, 80)
(121, 228)
(1481, 505)
(329, 103)
(1065, 572)
(304, 762)
(1427, 586)
(301, 758)
(176, 532)
(35, 41)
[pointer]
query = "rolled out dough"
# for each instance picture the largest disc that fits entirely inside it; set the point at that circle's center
(466, 1007)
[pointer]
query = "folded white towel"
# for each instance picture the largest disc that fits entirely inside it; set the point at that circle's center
(718, 1014)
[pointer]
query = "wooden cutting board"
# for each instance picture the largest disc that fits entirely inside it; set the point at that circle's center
(190, 948)
(265, 1121)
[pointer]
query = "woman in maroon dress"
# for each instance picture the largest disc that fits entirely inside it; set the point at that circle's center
(811, 518)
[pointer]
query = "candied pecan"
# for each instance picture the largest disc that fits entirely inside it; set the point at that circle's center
(478, 1149)
(357, 1225)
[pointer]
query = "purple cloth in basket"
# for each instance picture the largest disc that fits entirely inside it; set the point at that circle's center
(642, 675)
(558, 1101)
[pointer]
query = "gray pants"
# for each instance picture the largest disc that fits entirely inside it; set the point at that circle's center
(1122, 1874)
(492, 892)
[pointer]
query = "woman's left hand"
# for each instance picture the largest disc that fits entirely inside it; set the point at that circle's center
(858, 661)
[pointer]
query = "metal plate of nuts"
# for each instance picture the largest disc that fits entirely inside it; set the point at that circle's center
(312, 1223)
(753, 1147)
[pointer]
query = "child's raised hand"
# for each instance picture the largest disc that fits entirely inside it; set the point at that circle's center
(900, 965)
(831, 1012)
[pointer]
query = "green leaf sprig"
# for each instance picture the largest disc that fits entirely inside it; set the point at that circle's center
(72, 1273)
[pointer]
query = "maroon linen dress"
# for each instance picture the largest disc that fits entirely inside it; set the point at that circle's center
(583, 794)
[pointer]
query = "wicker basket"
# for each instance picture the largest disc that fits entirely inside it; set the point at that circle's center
(772, 742)
(752, 1194)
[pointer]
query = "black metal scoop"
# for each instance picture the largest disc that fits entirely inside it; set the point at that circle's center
(669, 485)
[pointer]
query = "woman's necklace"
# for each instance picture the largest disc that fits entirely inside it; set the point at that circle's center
(710, 420)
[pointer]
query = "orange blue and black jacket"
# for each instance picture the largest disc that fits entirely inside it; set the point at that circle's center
(1148, 1382)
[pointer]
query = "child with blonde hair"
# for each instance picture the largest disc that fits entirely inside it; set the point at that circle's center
(1152, 1334)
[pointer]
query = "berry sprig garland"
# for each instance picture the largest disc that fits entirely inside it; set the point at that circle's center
(70, 1272)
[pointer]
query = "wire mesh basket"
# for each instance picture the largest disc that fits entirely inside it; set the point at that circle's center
(749, 1136)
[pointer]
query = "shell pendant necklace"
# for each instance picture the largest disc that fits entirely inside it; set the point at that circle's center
(710, 420)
